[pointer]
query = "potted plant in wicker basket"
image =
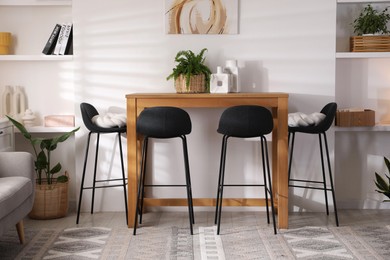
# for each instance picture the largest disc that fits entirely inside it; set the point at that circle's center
(191, 75)
(371, 28)
(51, 193)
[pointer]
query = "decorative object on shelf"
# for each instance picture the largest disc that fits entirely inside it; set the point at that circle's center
(381, 184)
(7, 101)
(371, 28)
(201, 16)
(355, 117)
(221, 82)
(18, 103)
(5, 43)
(232, 68)
(51, 198)
(191, 75)
(59, 121)
(28, 118)
(13, 102)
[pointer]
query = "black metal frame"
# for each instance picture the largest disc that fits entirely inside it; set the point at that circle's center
(141, 184)
(93, 187)
(323, 182)
(266, 174)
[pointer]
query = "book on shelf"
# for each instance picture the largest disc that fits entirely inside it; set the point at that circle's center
(65, 44)
(59, 40)
(52, 41)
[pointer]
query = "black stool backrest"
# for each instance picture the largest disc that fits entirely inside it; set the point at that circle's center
(164, 122)
(330, 113)
(246, 121)
(88, 112)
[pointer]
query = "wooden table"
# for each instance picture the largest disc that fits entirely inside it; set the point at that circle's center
(278, 102)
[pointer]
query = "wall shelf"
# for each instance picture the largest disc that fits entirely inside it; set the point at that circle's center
(376, 128)
(35, 2)
(43, 129)
(36, 57)
(361, 1)
(362, 55)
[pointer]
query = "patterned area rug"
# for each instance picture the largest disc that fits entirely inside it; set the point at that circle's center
(360, 242)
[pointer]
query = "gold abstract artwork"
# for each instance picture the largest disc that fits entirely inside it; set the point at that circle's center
(201, 16)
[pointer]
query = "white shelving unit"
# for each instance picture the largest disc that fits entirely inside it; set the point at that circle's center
(47, 80)
(361, 77)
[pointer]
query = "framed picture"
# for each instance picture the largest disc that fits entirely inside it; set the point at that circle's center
(201, 16)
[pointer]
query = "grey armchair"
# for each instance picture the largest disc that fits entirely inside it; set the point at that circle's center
(17, 184)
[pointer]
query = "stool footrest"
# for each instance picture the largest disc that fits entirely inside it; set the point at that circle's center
(106, 186)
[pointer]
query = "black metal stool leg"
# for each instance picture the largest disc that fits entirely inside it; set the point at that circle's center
(223, 150)
(142, 177)
(222, 172)
(94, 172)
(270, 184)
(140, 185)
(265, 177)
(123, 176)
(291, 154)
(323, 175)
(83, 178)
(331, 181)
(188, 183)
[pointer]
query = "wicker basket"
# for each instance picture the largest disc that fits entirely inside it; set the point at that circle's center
(51, 201)
(370, 43)
(197, 84)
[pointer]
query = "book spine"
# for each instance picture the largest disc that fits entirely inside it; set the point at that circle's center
(59, 40)
(52, 41)
(65, 39)
(69, 46)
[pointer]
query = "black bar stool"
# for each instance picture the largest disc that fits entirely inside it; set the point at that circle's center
(245, 122)
(330, 112)
(88, 112)
(163, 123)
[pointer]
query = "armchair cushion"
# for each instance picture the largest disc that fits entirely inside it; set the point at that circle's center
(17, 184)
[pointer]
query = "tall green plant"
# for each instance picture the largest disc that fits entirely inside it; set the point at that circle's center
(383, 185)
(371, 21)
(42, 149)
(191, 64)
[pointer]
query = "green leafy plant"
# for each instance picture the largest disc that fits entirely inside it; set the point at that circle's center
(383, 185)
(190, 64)
(42, 149)
(371, 21)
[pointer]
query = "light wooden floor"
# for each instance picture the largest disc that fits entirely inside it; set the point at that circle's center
(229, 219)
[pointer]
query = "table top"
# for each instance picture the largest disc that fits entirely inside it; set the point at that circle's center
(208, 95)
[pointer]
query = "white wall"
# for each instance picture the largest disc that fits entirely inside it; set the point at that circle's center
(120, 48)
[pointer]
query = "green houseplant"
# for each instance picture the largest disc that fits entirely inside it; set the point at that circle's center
(51, 193)
(191, 71)
(383, 185)
(371, 21)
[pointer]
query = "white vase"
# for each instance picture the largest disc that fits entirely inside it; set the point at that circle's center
(220, 82)
(18, 103)
(232, 68)
(7, 101)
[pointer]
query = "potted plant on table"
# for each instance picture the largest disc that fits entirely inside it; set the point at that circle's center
(51, 193)
(191, 75)
(371, 28)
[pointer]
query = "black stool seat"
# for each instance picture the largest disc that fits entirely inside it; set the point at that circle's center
(88, 111)
(244, 122)
(163, 122)
(330, 112)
